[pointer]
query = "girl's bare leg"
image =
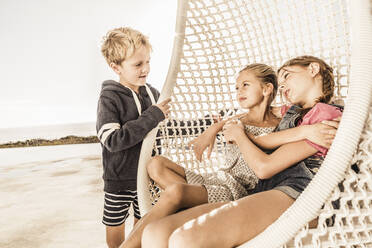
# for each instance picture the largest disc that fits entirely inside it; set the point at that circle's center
(233, 223)
(173, 198)
(135, 220)
(157, 233)
(165, 172)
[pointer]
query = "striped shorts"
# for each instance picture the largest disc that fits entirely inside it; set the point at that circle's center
(116, 208)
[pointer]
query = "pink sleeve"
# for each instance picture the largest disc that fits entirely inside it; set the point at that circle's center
(319, 113)
(284, 109)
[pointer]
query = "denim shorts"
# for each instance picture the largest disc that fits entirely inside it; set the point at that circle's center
(292, 181)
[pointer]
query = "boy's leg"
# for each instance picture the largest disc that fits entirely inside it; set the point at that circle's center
(115, 235)
(172, 199)
(233, 223)
(165, 172)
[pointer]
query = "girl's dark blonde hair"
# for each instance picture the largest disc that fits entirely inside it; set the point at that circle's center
(325, 71)
(266, 74)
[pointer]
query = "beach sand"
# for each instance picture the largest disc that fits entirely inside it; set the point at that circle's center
(52, 197)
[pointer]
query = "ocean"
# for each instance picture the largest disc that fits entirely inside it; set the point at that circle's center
(47, 132)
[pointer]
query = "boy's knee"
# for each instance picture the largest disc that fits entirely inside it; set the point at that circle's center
(114, 242)
(155, 166)
(114, 236)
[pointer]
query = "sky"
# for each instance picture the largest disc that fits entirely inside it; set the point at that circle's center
(51, 68)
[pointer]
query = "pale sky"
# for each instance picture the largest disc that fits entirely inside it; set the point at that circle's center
(51, 68)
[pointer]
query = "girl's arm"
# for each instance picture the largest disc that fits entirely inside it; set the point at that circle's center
(266, 165)
(319, 133)
(207, 138)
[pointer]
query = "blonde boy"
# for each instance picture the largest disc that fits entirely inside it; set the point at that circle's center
(126, 112)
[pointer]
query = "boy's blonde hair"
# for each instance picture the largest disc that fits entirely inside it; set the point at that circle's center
(121, 43)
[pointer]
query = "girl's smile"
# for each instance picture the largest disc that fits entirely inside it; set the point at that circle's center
(241, 99)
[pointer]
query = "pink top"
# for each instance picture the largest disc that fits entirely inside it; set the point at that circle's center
(318, 113)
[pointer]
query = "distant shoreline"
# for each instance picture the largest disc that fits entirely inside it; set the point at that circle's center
(67, 140)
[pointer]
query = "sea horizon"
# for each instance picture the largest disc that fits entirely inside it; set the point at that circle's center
(48, 132)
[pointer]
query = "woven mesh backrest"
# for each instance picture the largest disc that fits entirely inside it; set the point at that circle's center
(345, 220)
(214, 40)
(221, 37)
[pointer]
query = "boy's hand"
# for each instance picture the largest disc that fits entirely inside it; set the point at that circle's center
(164, 106)
(323, 133)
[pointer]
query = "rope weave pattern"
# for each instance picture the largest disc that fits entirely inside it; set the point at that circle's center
(222, 36)
(352, 220)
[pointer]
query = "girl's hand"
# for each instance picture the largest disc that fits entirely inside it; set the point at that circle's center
(322, 133)
(203, 141)
(216, 118)
(233, 129)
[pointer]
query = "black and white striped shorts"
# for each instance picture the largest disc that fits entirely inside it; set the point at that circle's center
(116, 207)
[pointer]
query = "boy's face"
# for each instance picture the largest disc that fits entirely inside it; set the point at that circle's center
(134, 70)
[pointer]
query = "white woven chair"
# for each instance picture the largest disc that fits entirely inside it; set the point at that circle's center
(214, 39)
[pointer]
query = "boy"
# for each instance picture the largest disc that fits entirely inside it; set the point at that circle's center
(126, 113)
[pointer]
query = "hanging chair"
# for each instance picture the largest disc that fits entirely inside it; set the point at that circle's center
(216, 38)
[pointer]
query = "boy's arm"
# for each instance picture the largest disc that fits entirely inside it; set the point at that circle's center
(115, 137)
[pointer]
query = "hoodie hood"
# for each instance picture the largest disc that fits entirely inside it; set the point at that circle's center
(111, 85)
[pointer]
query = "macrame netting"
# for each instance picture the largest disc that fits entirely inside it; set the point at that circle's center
(214, 39)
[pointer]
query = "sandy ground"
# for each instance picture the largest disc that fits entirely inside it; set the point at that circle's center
(52, 197)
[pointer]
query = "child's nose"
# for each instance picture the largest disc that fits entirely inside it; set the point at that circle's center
(146, 68)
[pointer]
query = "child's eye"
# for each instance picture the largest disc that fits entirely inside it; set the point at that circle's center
(245, 84)
(139, 64)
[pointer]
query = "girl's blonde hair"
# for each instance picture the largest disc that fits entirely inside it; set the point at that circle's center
(266, 74)
(325, 71)
(121, 43)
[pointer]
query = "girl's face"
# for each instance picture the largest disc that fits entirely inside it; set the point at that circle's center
(294, 83)
(249, 90)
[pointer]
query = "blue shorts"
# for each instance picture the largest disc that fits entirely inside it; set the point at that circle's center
(116, 207)
(292, 181)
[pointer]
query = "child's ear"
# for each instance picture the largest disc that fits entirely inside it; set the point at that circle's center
(314, 68)
(267, 89)
(115, 68)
